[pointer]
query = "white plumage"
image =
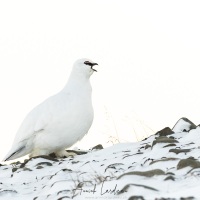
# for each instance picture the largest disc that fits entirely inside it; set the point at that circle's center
(61, 120)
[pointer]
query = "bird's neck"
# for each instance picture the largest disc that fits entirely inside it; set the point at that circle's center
(77, 83)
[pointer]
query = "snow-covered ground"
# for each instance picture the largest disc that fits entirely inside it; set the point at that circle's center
(163, 166)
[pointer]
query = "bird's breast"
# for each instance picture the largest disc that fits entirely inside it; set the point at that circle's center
(73, 119)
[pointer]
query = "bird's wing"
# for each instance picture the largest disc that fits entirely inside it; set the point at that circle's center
(42, 121)
(33, 123)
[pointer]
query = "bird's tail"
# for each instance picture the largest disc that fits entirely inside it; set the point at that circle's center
(13, 154)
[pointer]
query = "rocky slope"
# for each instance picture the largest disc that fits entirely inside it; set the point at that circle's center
(164, 166)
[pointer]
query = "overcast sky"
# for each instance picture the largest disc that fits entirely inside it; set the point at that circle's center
(148, 55)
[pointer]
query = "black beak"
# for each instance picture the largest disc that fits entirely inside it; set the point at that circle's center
(91, 65)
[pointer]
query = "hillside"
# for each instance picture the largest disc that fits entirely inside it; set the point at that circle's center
(163, 166)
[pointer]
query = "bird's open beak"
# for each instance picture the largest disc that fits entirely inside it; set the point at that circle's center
(92, 65)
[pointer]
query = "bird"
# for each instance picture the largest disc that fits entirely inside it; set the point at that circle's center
(59, 121)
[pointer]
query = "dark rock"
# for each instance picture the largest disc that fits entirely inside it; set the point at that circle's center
(148, 159)
(68, 170)
(63, 192)
(97, 147)
(164, 132)
(177, 151)
(128, 155)
(191, 125)
(190, 143)
(39, 167)
(192, 158)
(65, 197)
(163, 160)
(187, 198)
(78, 152)
(189, 162)
(27, 169)
(170, 173)
(42, 156)
(150, 173)
(147, 146)
(136, 198)
(47, 158)
(113, 166)
(14, 169)
(52, 155)
(75, 162)
(165, 198)
(8, 191)
(163, 139)
(16, 163)
(170, 178)
(169, 145)
(145, 139)
(45, 163)
(126, 187)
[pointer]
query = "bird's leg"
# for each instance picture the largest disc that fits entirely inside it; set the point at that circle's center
(38, 152)
(64, 153)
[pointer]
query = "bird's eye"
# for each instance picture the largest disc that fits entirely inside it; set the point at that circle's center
(86, 62)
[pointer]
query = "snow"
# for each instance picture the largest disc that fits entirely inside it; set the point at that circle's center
(169, 168)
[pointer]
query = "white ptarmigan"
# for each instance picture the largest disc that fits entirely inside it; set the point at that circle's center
(61, 120)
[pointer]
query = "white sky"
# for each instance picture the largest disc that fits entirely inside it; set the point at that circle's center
(148, 55)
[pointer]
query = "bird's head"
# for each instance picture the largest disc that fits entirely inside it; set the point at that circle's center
(85, 67)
